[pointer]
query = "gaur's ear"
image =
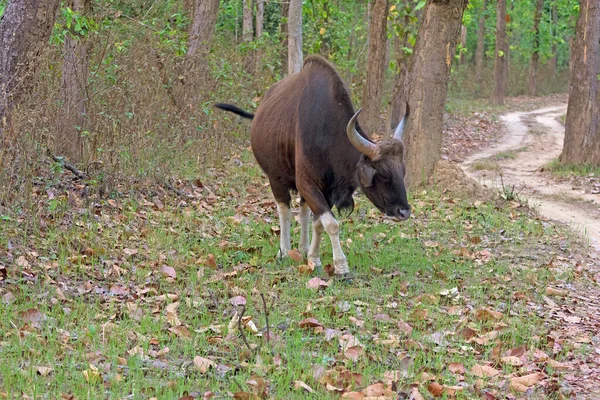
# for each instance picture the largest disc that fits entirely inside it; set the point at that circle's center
(366, 173)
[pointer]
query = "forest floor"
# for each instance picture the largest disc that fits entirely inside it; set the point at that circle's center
(518, 164)
(173, 291)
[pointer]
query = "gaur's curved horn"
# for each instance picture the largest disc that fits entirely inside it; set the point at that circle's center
(399, 131)
(363, 145)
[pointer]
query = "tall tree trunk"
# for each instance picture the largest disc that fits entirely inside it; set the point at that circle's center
(554, 27)
(74, 88)
(24, 30)
(283, 31)
(372, 91)
(260, 16)
(582, 128)
(247, 31)
(480, 47)
(501, 55)
(203, 27)
(535, 55)
(295, 36)
(429, 72)
(399, 90)
(463, 44)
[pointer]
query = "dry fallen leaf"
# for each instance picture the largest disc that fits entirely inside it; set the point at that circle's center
(485, 314)
(550, 291)
(317, 283)
(295, 255)
(238, 301)
(435, 389)
(378, 390)
(211, 262)
(310, 323)
(415, 394)
(203, 364)
(169, 272)
(44, 371)
(456, 368)
(302, 385)
(521, 383)
(92, 375)
(512, 360)
(483, 371)
(558, 365)
(404, 327)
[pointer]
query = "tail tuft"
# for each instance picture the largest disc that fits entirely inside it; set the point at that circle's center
(235, 110)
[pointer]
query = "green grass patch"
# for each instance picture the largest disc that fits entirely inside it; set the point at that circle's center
(566, 170)
(117, 298)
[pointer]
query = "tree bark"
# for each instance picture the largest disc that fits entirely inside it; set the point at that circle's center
(582, 127)
(399, 91)
(295, 36)
(429, 72)
(247, 31)
(463, 44)
(480, 47)
(373, 89)
(203, 27)
(260, 16)
(24, 30)
(283, 31)
(535, 55)
(554, 59)
(74, 89)
(500, 56)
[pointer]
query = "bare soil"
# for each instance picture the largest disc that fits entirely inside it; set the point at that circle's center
(515, 164)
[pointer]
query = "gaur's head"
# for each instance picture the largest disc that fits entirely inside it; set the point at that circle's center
(381, 170)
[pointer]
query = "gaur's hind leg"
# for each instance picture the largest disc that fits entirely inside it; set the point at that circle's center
(283, 198)
(304, 226)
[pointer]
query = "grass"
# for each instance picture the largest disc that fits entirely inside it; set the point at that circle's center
(89, 293)
(485, 165)
(567, 170)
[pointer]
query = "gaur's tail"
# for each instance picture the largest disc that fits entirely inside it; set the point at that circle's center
(235, 110)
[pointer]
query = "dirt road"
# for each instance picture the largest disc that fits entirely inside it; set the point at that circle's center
(531, 141)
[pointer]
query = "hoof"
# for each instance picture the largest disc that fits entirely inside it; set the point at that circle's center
(344, 278)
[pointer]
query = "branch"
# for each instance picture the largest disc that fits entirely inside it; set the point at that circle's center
(240, 328)
(262, 296)
(68, 165)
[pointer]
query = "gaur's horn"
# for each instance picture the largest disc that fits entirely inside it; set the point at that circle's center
(399, 131)
(363, 145)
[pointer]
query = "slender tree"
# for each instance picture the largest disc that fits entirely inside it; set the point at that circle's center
(535, 54)
(247, 30)
(295, 36)
(398, 92)
(429, 72)
(203, 27)
(260, 15)
(24, 30)
(463, 44)
(74, 85)
(582, 127)
(373, 88)
(283, 31)
(554, 28)
(500, 55)
(479, 52)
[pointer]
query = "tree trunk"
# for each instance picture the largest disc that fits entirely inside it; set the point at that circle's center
(74, 88)
(295, 37)
(500, 56)
(372, 91)
(582, 127)
(247, 31)
(480, 47)
(535, 55)
(429, 72)
(203, 27)
(24, 30)
(283, 31)
(260, 15)
(554, 27)
(399, 91)
(463, 44)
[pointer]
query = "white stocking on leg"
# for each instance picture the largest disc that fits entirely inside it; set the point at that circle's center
(285, 221)
(332, 227)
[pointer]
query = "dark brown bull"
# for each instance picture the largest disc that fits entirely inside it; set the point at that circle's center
(305, 138)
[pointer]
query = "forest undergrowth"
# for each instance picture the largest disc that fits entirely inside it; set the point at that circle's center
(173, 290)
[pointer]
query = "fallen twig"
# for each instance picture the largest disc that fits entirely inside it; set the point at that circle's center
(262, 296)
(79, 174)
(180, 193)
(240, 328)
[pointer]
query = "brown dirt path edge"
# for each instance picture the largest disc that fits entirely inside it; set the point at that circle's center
(532, 150)
(533, 139)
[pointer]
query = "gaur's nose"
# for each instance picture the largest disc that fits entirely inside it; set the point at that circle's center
(403, 213)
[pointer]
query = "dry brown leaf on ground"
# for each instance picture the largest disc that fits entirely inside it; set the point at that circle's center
(295, 255)
(302, 385)
(484, 371)
(522, 383)
(310, 323)
(203, 364)
(435, 389)
(317, 283)
(168, 272)
(456, 368)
